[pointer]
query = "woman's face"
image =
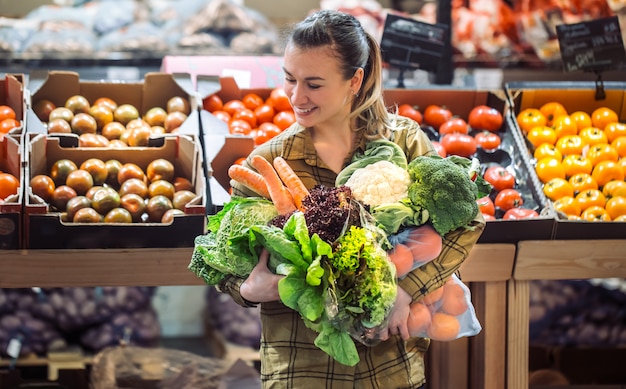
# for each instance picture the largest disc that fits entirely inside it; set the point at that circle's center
(316, 87)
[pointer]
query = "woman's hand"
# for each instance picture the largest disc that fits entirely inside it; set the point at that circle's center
(261, 285)
(399, 316)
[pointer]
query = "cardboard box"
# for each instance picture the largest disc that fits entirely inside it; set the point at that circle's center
(154, 91)
(509, 155)
(46, 230)
(574, 96)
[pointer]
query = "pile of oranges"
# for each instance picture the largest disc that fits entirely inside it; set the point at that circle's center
(580, 157)
(252, 115)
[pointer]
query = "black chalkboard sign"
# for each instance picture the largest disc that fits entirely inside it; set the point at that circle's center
(410, 44)
(594, 45)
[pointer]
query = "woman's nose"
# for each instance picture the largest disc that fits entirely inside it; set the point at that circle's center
(297, 95)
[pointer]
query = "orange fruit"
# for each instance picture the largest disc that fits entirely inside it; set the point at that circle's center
(616, 206)
(614, 130)
(419, 319)
(602, 116)
(581, 118)
(453, 300)
(595, 213)
(614, 188)
(434, 296)
(549, 168)
(606, 171)
(570, 144)
(552, 110)
(541, 134)
(575, 164)
(592, 136)
(567, 205)
(564, 125)
(443, 327)
(582, 181)
(619, 144)
(602, 152)
(547, 150)
(9, 185)
(402, 258)
(590, 198)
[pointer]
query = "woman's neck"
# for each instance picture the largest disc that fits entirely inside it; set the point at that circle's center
(333, 145)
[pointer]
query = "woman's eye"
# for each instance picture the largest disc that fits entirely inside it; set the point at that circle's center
(290, 80)
(314, 86)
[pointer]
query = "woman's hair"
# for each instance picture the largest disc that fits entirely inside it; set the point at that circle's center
(354, 48)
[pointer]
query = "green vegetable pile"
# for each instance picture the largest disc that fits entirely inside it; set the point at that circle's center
(342, 288)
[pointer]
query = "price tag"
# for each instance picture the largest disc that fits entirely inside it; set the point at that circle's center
(593, 45)
(410, 44)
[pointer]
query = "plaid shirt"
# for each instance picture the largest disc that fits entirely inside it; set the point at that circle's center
(289, 358)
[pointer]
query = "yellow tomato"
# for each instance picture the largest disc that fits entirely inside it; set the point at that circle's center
(547, 150)
(590, 197)
(602, 116)
(614, 188)
(619, 144)
(552, 110)
(575, 164)
(614, 130)
(540, 135)
(595, 214)
(557, 188)
(616, 206)
(592, 136)
(529, 118)
(549, 168)
(602, 152)
(581, 118)
(606, 171)
(567, 205)
(570, 144)
(564, 125)
(582, 182)
(621, 218)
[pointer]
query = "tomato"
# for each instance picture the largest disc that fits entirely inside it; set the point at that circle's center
(616, 206)
(9, 185)
(270, 129)
(590, 197)
(488, 140)
(284, 119)
(252, 101)
(264, 113)
(564, 125)
(259, 136)
(567, 205)
(602, 152)
(517, 213)
(595, 213)
(212, 103)
(552, 110)
(602, 116)
(483, 117)
(6, 112)
(463, 145)
(436, 115)
(557, 188)
(411, 112)
(8, 124)
(246, 114)
(581, 118)
(454, 125)
(574, 164)
(529, 118)
(508, 198)
(499, 177)
(279, 100)
(239, 126)
(540, 135)
(614, 130)
(606, 171)
(619, 144)
(582, 181)
(570, 144)
(440, 149)
(549, 168)
(592, 136)
(222, 115)
(488, 217)
(614, 188)
(486, 206)
(233, 106)
(547, 150)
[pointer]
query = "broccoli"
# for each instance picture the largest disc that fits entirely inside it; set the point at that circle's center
(445, 190)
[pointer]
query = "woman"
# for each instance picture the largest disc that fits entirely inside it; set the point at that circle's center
(333, 77)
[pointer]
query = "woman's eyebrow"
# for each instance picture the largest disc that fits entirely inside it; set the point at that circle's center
(312, 78)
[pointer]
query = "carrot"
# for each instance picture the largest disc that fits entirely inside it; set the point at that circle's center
(292, 181)
(279, 194)
(249, 178)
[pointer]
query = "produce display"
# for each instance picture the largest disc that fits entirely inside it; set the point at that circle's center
(114, 192)
(105, 123)
(580, 159)
(8, 121)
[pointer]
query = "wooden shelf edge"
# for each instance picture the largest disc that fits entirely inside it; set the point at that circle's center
(489, 262)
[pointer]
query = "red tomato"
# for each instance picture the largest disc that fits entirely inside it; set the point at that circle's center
(279, 100)
(483, 117)
(499, 177)
(440, 149)
(488, 140)
(454, 125)
(264, 113)
(270, 129)
(411, 112)
(284, 119)
(212, 103)
(486, 206)
(222, 115)
(239, 126)
(509, 198)
(436, 115)
(518, 213)
(463, 145)
(488, 217)
(246, 114)
(252, 101)
(233, 106)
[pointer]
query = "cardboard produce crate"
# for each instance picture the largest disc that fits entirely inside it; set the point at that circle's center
(575, 96)
(45, 229)
(510, 155)
(12, 94)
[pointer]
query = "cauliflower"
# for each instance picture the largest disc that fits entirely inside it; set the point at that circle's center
(378, 183)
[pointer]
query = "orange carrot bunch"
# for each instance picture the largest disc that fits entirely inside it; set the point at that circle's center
(275, 181)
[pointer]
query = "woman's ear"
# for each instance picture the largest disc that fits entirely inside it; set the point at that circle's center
(357, 81)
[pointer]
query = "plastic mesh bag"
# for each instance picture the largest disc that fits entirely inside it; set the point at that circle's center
(156, 368)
